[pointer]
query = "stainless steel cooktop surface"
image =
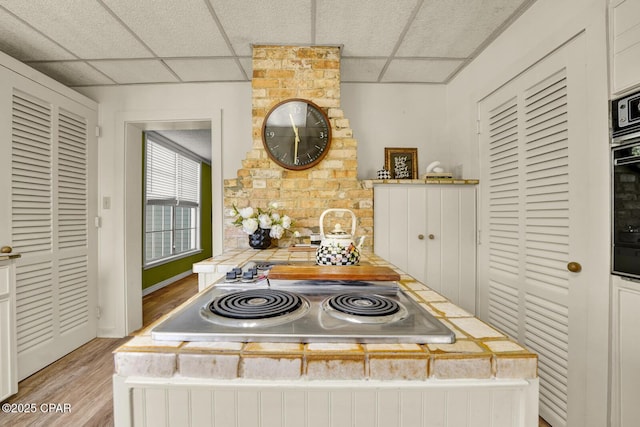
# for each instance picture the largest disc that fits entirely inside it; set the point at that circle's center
(246, 306)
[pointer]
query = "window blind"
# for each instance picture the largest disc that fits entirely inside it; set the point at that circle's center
(171, 176)
(172, 218)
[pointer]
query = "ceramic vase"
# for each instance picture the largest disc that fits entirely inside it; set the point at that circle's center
(260, 239)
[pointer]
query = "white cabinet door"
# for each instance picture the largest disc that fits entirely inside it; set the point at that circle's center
(625, 342)
(49, 202)
(8, 353)
(391, 225)
(417, 252)
(429, 231)
(624, 26)
(451, 243)
(534, 206)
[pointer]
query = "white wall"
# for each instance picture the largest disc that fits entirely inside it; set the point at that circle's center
(543, 28)
(234, 99)
(396, 115)
(226, 106)
(540, 29)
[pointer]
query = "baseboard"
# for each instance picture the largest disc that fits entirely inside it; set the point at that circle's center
(167, 282)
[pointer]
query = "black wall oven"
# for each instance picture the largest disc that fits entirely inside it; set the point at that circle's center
(625, 186)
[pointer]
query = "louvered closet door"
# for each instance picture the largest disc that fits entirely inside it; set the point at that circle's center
(50, 186)
(532, 131)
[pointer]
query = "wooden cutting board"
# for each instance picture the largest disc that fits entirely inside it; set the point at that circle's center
(333, 272)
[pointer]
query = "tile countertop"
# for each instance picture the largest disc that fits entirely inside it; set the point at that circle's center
(480, 351)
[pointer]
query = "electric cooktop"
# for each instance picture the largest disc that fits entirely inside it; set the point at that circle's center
(247, 306)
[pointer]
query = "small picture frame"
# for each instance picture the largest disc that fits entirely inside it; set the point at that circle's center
(402, 163)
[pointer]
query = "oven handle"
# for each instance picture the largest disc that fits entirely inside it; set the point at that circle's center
(624, 139)
(626, 161)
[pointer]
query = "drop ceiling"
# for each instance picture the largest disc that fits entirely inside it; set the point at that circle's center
(122, 42)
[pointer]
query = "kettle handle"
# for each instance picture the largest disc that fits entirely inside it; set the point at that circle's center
(353, 220)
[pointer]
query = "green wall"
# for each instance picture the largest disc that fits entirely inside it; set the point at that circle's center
(162, 272)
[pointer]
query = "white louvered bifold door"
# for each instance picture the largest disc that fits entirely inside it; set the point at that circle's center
(50, 188)
(531, 134)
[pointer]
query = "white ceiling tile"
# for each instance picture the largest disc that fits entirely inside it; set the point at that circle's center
(174, 28)
(264, 22)
(85, 28)
(197, 141)
(420, 71)
(135, 71)
(453, 28)
(361, 69)
(24, 43)
(204, 69)
(72, 73)
(371, 32)
(364, 27)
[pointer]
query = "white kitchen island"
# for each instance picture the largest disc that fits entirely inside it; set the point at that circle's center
(483, 379)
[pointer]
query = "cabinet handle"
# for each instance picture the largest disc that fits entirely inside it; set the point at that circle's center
(574, 267)
(421, 236)
(6, 249)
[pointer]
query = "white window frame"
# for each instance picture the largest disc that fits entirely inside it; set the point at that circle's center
(172, 200)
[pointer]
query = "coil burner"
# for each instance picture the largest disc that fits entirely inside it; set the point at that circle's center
(364, 308)
(256, 307)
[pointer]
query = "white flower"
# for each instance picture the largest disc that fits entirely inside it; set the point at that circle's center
(251, 219)
(246, 212)
(276, 231)
(296, 234)
(265, 221)
(250, 225)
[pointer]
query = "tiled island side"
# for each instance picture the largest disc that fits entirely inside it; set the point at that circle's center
(484, 378)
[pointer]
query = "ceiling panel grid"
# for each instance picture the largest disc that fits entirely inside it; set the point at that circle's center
(122, 42)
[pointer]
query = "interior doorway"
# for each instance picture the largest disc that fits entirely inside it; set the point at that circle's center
(194, 136)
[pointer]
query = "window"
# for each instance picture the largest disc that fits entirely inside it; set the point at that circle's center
(172, 202)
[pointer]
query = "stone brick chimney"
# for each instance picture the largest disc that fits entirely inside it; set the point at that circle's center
(313, 73)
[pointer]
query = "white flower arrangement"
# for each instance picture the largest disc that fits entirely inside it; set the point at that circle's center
(250, 220)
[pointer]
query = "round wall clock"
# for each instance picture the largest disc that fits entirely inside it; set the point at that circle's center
(296, 134)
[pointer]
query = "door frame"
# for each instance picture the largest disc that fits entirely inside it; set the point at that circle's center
(129, 126)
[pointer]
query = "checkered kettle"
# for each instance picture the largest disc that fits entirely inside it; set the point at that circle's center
(337, 247)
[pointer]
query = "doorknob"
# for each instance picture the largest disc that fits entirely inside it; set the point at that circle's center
(6, 249)
(421, 236)
(431, 237)
(574, 267)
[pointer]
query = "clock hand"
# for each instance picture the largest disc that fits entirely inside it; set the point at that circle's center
(295, 129)
(296, 141)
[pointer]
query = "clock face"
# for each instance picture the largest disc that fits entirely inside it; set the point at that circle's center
(296, 134)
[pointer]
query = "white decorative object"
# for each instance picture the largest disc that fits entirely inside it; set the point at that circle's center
(433, 166)
(435, 171)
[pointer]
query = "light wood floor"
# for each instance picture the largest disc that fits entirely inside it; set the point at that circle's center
(82, 378)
